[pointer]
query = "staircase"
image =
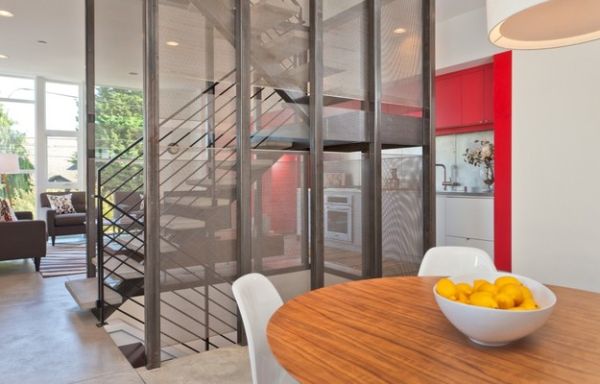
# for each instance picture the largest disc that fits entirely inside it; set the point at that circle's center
(198, 189)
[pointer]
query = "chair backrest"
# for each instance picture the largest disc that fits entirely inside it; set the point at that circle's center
(77, 198)
(257, 300)
(448, 261)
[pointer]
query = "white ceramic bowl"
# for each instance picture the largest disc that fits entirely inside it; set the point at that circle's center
(496, 327)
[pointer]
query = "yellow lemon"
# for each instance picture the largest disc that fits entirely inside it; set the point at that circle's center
(513, 291)
(446, 288)
(528, 304)
(483, 299)
(526, 292)
(488, 287)
(503, 280)
(504, 301)
(463, 297)
(478, 283)
(464, 288)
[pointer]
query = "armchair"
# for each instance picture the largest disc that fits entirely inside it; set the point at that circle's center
(23, 239)
(66, 223)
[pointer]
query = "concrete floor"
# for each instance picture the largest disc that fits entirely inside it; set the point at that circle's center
(46, 338)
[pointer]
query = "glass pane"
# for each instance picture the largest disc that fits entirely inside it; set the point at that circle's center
(280, 235)
(17, 88)
(401, 58)
(62, 159)
(62, 107)
(17, 136)
(279, 59)
(402, 211)
(343, 213)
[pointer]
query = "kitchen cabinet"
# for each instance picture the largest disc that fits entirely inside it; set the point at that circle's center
(465, 98)
(466, 221)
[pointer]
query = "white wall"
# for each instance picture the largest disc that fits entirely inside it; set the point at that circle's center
(463, 39)
(556, 167)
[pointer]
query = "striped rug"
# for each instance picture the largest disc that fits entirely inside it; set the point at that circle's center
(63, 259)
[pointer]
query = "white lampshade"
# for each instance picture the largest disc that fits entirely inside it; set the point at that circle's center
(9, 164)
(538, 24)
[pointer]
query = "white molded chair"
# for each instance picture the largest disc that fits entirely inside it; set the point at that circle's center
(449, 261)
(257, 300)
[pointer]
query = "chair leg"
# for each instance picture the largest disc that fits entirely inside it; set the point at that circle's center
(53, 240)
(36, 262)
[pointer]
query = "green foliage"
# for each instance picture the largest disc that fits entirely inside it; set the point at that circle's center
(119, 122)
(13, 141)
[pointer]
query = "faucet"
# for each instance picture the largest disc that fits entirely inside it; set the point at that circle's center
(447, 182)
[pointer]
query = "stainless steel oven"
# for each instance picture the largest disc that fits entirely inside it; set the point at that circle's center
(338, 217)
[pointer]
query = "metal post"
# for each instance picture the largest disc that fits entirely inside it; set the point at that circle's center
(243, 166)
(258, 245)
(152, 185)
(429, 225)
(372, 167)
(210, 128)
(317, 269)
(90, 135)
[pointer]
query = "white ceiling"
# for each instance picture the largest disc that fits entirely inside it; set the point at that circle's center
(447, 9)
(118, 39)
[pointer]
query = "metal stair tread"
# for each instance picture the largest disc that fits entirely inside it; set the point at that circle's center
(192, 201)
(266, 16)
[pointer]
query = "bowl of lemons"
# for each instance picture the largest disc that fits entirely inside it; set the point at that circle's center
(494, 308)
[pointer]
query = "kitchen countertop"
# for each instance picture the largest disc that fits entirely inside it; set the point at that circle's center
(465, 194)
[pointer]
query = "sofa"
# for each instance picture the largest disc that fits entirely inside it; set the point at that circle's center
(23, 239)
(66, 223)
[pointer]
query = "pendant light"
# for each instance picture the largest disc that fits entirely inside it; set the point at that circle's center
(539, 24)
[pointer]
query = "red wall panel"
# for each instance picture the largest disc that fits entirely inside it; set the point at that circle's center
(502, 162)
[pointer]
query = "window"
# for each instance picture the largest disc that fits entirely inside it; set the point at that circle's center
(17, 136)
(63, 136)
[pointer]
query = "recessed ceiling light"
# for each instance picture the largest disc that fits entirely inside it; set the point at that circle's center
(3, 56)
(42, 42)
(5, 13)
(172, 43)
(133, 73)
(399, 31)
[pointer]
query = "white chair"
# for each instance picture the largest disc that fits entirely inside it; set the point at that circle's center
(257, 300)
(448, 261)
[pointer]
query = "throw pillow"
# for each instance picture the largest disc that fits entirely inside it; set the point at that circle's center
(6, 212)
(61, 203)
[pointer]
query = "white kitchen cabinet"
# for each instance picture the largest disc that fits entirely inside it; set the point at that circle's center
(470, 217)
(485, 245)
(466, 221)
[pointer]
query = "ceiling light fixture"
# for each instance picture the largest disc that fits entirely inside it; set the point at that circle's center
(399, 31)
(172, 43)
(42, 42)
(3, 56)
(133, 73)
(539, 24)
(5, 13)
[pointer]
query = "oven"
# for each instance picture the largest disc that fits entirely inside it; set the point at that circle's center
(338, 217)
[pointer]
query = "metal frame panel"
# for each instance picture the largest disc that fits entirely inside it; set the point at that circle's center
(317, 263)
(151, 186)
(90, 136)
(429, 202)
(372, 238)
(244, 155)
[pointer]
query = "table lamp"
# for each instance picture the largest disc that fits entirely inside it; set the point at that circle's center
(9, 164)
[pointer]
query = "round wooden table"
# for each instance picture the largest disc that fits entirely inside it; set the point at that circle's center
(391, 330)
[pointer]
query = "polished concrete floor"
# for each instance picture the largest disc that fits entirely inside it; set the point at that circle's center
(46, 338)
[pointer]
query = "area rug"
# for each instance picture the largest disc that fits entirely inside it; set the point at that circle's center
(63, 259)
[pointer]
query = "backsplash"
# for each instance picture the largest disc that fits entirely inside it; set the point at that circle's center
(450, 150)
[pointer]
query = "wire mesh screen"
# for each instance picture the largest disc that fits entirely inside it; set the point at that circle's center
(402, 211)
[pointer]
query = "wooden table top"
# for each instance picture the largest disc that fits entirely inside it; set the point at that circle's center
(391, 330)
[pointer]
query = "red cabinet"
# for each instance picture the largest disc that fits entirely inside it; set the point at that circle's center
(464, 100)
